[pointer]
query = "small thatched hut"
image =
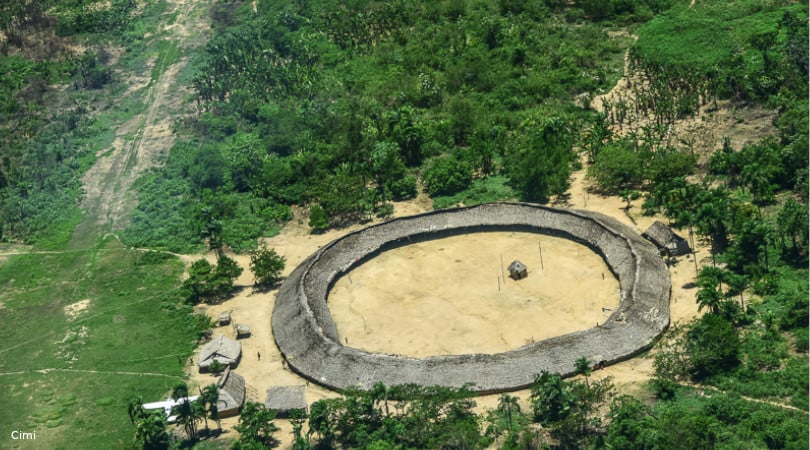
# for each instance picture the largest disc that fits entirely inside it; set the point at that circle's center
(242, 330)
(221, 349)
(285, 399)
(518, 270)
(668, 243)
(231, 394)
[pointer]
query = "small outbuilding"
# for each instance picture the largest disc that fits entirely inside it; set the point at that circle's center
(242, 330)
(518, 270)
(224, 318)
(285, 399)
(668, 243)
(231, 394)
(221, 349)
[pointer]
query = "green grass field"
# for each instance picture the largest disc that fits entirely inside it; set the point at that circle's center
(69, 377)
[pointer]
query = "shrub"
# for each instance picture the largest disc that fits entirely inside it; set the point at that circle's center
(404, 188)
(318, 219)
(446, 176)
(266, 266)
(713, 346)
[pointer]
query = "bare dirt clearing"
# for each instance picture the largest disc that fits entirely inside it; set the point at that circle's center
(444, 297)
(74, 309)
(143, 141)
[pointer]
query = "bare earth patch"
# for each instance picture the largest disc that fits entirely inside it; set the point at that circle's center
(442, 297)
(74, 309)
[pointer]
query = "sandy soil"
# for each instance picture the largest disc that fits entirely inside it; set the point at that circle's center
(449, 296)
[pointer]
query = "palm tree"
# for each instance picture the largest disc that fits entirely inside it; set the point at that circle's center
(583, 367)
(150, 427)
(508, 404)
(209, 397)
(150, 431)
(710, 293)
(135, 409)
(187, 414)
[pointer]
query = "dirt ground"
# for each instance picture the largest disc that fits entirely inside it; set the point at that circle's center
(449, 296)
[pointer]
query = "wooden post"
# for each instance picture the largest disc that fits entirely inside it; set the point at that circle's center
(503, 273)
(542, 266)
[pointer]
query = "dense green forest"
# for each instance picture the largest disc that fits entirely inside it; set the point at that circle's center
(346, 106)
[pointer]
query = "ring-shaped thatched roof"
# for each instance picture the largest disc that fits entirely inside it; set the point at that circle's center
(307, 337)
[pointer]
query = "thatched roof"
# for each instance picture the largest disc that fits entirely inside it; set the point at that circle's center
(284, 399)
(231, 393)
(517, 266)
(225, 351)
(659, 234)
(664, 238)
(307, 336)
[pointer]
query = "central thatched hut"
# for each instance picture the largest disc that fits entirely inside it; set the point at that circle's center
(518, 270)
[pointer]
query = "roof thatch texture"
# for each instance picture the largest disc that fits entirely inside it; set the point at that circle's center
(231, 393)
(659, 234)
(284, 399)
(664, 238)
(517, 269)
(225, 351)
(307, 336)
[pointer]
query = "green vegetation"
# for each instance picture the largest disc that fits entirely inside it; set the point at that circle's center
(70, 371)
(256, 428)
(210, 284)
(58, 109)
(266, 266)
(345, 106)
(563, 414)
(90, 323)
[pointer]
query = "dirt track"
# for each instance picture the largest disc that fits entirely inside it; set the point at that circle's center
(143, 141)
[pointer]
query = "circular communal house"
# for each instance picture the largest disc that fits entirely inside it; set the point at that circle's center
(307, 336)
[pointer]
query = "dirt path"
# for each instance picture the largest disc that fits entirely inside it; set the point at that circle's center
(143, 141)
(105, 372)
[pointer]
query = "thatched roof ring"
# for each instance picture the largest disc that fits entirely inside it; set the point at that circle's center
(307, 336)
